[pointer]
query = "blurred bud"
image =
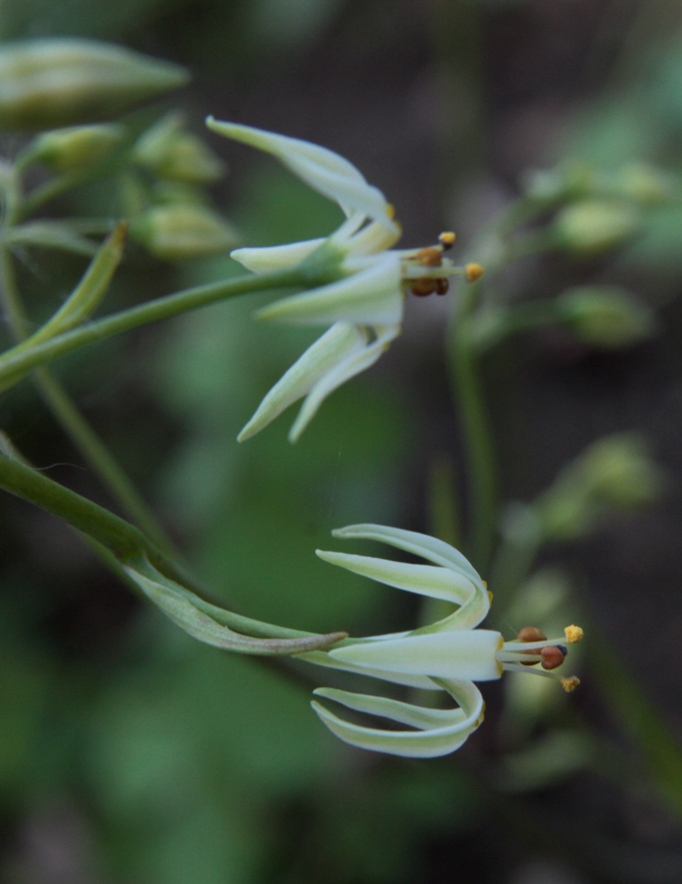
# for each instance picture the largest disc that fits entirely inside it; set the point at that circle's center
(607, 317)
(181, 231)
(590, 227)
(169, 151)
(620, 472)
(554, 185)
(56, 82)
(614, 473)
(646, 185)
(75, 147)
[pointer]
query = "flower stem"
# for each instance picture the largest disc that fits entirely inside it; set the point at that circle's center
(14, 365)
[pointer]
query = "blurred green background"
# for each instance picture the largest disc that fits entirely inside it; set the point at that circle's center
(130, 753)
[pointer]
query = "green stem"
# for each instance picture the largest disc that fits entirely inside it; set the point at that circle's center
(13, 366)
(481, 473)
(100, 459)
(124, 540)
(84, 438)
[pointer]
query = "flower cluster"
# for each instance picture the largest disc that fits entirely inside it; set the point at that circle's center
(449, 655)
(362, 303)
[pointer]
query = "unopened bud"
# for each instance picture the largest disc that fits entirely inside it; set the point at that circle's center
(621, 472)
(606, 317)
(614, 473)
(75, 147)
(61, 81)
(169, 151)
(590, 227)
(646, 185)
(182, 231)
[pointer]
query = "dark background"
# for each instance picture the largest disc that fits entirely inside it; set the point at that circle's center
(129, 753)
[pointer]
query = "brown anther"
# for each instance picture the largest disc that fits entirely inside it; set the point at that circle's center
(473, 272)
(530, 634)
(447, 239)
(429, 257)
(423, 287)
(442, 286)
(552, 657)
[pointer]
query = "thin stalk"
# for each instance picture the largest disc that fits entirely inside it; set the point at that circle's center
(76, 427)
(480, 458)
(13, 365)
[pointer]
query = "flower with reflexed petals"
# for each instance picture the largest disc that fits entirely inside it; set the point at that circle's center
(363, 300)
(449, 655)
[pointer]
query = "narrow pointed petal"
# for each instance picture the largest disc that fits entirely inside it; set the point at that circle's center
(437, 735)
(322, 169)
(354, 363)
(468, 654)
(428, 580)
(335, 346)
(276, 257)
(322, 658)
(436, 551)
(372, 296)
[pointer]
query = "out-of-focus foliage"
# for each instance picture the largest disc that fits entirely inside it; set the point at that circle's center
(129, 752)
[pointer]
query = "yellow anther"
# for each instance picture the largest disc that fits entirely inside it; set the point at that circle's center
(570, 684)
(490, 596)
(447, 239)
(473, 272)
(573, 634)
(390, 211)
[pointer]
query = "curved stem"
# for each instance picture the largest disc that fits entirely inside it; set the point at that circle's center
(480, 459)
(13, 365)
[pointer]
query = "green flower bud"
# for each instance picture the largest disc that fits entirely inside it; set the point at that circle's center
(181, 231)
(646, 185)
(606, 317)
(61, 81)
(75, 147)
(620, 472)
(614, 473)
(169, 151)
(590, 227)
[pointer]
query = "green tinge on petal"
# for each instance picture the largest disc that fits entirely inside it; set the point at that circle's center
(322, 658)
(320, 168)
(276, 257)
(177, 603)
(335, 346)
(468, 654)
(429, 580)
(440, 731)
(430, 548)
(372, 296)
(353, 364)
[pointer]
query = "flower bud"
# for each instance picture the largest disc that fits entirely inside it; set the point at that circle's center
(606, 317)
(61, 81)
(646, 185)
(75, 147)
(614, 473)
(169, 151)
(590, 227)
(182, 231)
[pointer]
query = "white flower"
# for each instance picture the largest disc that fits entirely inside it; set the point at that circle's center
(448, 655)
(362, 302)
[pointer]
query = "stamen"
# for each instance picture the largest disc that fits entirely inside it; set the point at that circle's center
(447, 239)
(570, 684)
(573, 634)
(473, 272)
(442, 286)
(530, 634)
(430, 257)
(552, 656)
(423, 286)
